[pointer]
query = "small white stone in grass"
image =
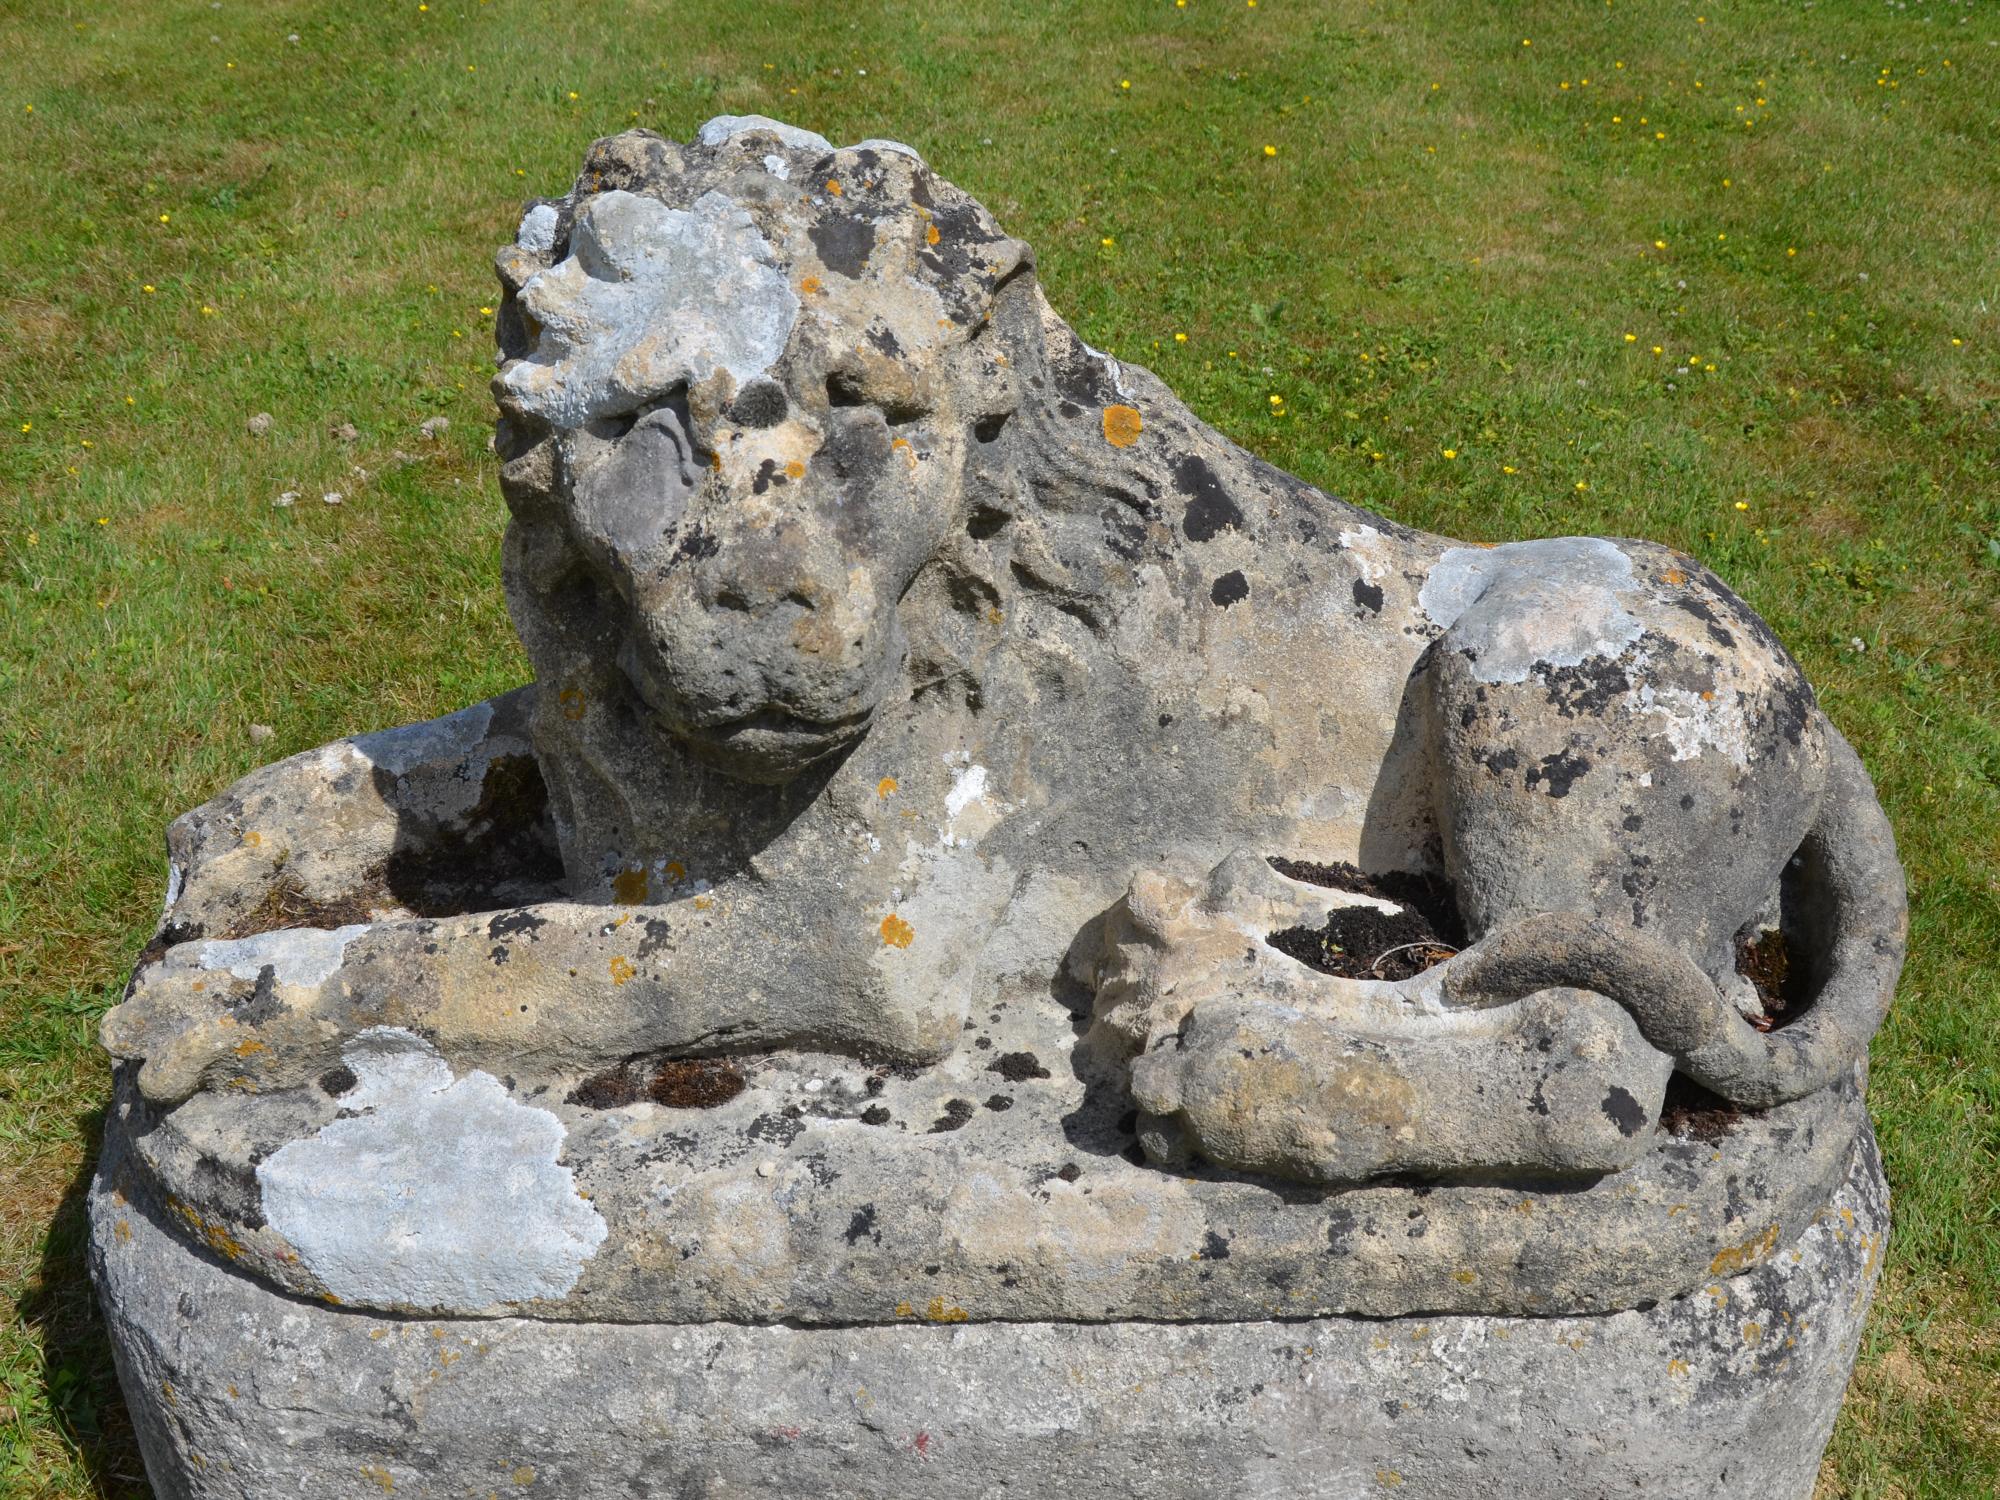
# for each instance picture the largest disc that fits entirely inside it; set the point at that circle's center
(345, 432)
(259, 733)
(435, 427)
(331, 497)
(259, 424)
(290, 497)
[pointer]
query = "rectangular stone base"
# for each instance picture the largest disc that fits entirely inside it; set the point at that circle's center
(240, 1392)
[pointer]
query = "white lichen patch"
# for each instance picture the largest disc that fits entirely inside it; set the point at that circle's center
(537, 234)
(778, 167)
(304, 957)
(1371, 552)
(724, 128)
(404, 748)
(1512, 608)
(648, 298)
(877, 143)
(432, 1193)
(1691, 723)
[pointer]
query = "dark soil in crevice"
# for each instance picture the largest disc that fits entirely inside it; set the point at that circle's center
(1783, 988)
(681, 1083)
(1765, 959)
(1364, 942)
(1691, 1111)
(287, 905)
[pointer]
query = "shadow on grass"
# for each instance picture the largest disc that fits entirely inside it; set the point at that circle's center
(79, 1379)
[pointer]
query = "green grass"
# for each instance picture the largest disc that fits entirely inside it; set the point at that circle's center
(1450, 250)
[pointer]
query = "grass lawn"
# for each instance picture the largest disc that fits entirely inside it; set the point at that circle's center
(1719, 273)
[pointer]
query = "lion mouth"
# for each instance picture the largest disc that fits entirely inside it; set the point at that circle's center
(771, 743)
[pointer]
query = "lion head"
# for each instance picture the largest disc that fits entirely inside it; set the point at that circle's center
(740, 384)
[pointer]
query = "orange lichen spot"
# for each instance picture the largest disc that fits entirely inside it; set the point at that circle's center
(833, 187)
(938, 1312)
(248, 1045)
(232, 1392)
(1674, 576)
(123, 1229)
(253, 839)
(703, 903)
(167, 1390)
(523, 1476)
(572, 702)
(885, 787)
(676, 872)
(931, 235)
(1121, 426)
(896, 932)
(795, 470)
(629, 887)
(217, 1237)
(909, 453)
(621, 969)
(1708, 695)
(1753, 1333)
(1464, 1278)
(1677, 1367)
(809, 286)
(378, 1476)
(904, 1310)
(1742, 1257)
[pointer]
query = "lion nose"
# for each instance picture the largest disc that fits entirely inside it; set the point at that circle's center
(748, 621)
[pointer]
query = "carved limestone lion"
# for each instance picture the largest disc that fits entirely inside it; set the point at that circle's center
(889, 640)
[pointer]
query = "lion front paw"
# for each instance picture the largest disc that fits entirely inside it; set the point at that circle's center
(239, 1007)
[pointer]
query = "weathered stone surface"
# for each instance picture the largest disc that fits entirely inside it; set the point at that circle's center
(242, 1394)
(874, 917)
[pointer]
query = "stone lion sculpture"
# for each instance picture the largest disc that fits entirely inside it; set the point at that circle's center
(889, 642)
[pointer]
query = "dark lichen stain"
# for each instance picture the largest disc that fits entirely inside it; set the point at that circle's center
(875, 1114)
(1700, 610)
(1499, 762)
(1018, 1067)
(1069, 1171)
(680, 1083)
(1560, 771)
(1000, 1103)
(337, 1080)
(696, 1083)
(523, 923)
(1622, 1110)
(1214, 1247)
(759, 404)
(1231, 588)
(956, 1113)
(843, 243)
(1585, 690)
(779, 1129)
(862, 1225)
(1368, 595)
(1210, 510)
